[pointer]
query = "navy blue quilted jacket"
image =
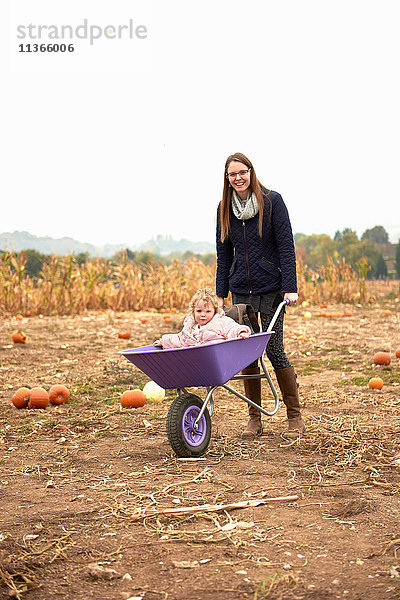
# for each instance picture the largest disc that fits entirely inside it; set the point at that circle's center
(250, 264)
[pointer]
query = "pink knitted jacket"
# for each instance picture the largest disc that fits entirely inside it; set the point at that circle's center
(220, 327)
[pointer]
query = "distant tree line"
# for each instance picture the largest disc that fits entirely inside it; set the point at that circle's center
(35, 261)
(145, 257)
(316, 250)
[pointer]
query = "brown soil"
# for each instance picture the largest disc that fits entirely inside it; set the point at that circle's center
(72, 476)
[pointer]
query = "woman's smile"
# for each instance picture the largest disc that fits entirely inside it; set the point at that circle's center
(239, 177)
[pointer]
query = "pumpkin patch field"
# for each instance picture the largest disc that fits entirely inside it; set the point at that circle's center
(317, 519)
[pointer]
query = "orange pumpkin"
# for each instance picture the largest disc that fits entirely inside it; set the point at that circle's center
(375, 383)
(125, 335)
(21, 398)
(38, 398)
(398, 353)
(58, 394)
(382, 358)
(19, 337)
(133, 399)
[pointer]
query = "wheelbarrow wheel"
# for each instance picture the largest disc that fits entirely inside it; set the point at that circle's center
(186, 440)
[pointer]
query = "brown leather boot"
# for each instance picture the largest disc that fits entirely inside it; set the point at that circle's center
(288, 385)
(252, 389)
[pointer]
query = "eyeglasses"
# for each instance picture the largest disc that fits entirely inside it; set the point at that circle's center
(240, 173)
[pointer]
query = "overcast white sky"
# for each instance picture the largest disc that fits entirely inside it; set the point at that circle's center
(126, 139)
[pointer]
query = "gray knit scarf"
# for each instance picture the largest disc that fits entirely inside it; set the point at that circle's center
(244, 209)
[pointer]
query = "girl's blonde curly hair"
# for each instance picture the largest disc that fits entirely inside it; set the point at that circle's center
(208, 296)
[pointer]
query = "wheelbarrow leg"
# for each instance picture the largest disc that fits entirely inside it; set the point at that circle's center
(208, 399)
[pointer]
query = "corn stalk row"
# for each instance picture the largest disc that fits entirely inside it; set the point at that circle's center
(67, 287)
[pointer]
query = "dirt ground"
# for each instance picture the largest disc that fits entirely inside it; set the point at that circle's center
(72, 477)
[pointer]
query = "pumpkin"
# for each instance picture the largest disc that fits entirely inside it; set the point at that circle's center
(38, 398)
(133, 399)
(21, 398)
(58, 394)
(398, 353)
(375, 383)
(124, 335)
(153, 392)
(19, 337)
(382, 358)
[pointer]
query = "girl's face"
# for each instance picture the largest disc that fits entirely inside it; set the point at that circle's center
(239, 178)
(203, 313)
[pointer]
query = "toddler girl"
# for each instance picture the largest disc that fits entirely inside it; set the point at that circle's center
(205, 322)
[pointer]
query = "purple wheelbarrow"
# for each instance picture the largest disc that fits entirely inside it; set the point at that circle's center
(209, 365)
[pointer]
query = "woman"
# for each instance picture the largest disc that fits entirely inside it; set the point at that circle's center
(256, 262)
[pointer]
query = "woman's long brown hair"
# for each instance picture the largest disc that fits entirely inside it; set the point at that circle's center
(255, 186)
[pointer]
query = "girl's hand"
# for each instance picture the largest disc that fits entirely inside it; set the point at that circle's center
(157, 343)
(245, 335)
(292, 297)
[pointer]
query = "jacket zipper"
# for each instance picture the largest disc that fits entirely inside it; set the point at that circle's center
(273, 264)
(246, 258)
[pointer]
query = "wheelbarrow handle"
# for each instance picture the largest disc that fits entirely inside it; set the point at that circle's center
(276, 314)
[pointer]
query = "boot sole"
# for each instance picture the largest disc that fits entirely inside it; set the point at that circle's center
(251, 436)
(286, 436)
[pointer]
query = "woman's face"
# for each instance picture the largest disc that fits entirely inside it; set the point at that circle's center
(239, 178)
(203, 313)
